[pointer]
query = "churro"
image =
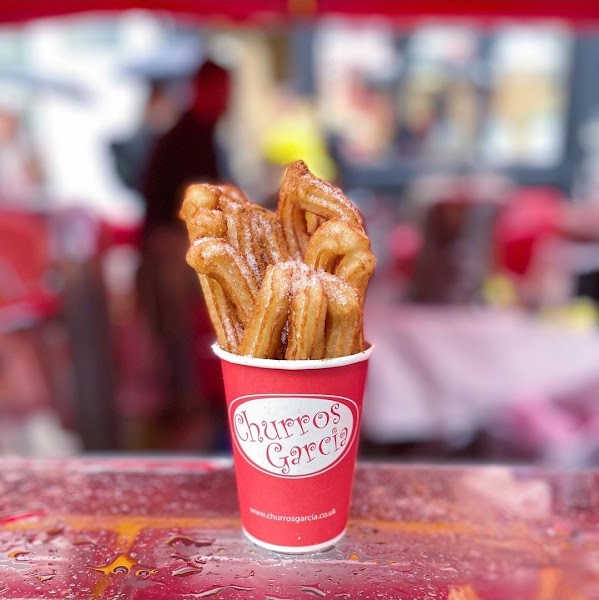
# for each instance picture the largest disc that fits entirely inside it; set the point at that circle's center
(288, 284)
(262, 337)
(337, 247)
(303, 193)
(307, 319)
(220, 261)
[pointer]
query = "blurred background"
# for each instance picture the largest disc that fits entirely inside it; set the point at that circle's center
(469, 141)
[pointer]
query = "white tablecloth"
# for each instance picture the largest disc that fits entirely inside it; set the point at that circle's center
(446, 372)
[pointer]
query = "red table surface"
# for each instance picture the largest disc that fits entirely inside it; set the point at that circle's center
(169, 529)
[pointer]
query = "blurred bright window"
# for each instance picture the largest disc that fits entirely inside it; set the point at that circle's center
(438, 100)
(64, 80)
(528, 77)
(356, 65)
(434, 95)
(445, 94)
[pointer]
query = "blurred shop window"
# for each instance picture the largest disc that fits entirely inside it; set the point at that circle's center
(79, 97)
(444, 95)
(528, 78)
(438, 97)
(355, 69)
(385, 93)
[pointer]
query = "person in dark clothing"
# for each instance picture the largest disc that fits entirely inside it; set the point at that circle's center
(170, 292)
(188, 152)
(130, 154)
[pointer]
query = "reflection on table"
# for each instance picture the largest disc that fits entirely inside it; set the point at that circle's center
(132, 528)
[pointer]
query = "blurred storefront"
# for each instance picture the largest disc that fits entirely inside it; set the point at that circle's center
(389, 101)
(499, 105)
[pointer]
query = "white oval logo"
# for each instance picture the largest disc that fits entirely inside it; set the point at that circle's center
(293, 435)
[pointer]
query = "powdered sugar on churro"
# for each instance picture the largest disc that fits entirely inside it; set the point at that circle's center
(286, 284)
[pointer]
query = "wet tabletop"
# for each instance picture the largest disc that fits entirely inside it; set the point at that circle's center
(169, 529)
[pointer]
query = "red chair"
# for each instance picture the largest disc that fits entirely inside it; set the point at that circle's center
(27, 375)
(26, 297)
(531, 215)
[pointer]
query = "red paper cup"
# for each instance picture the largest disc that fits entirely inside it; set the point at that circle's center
(294, 427)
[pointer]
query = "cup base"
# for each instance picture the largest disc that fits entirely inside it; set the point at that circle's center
(295, 549)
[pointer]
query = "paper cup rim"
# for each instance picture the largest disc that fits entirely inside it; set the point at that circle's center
(292, 365)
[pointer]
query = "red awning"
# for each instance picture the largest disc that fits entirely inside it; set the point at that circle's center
(579, 12)
(237, 10)
(571, 10)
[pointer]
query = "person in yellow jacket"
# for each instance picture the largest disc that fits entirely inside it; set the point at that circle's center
(295, 134)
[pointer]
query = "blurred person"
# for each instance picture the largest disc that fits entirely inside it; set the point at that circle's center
(547, 245)
(453, 133)
(170, 295)
(458, 215)
(189, 151)
(20, 169)
(372, 133)
(294, 133)
(159, 115)
(416, 118)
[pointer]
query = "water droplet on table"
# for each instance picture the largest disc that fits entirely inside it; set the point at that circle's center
(186, 570)
(18, 555)
(187, 541)
(122, 563)
(216, 590)
(313, 589)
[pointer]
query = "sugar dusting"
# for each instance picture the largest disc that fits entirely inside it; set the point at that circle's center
(257, 239)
